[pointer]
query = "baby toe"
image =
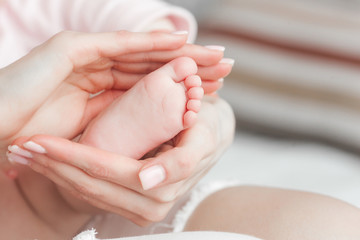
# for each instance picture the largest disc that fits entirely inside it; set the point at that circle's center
(195, 93)
(194, 105)
(192, 81)
(190, 119)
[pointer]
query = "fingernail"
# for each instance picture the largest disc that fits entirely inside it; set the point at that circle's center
(14, 158)
(228, 61)
(216, 47)
(221, 80)
(30, 145)
(181, 33)
(19, 151)
(152, 176)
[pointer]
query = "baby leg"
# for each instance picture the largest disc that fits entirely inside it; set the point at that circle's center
(153, 111)
(276, 214)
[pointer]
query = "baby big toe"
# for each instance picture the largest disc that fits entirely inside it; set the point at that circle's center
(181, 68)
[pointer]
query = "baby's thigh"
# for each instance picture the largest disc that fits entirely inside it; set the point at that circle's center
(277, 214)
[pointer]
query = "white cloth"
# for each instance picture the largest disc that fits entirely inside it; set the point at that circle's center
(25, 24)
(199, 194)
(91, 235)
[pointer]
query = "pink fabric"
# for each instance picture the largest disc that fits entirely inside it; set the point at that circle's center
(27, 23)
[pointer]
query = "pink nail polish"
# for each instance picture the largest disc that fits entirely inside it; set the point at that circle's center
(14, 158)
(30, 145)
(228, 61)
(19, 151)
(181, 33)
(216, 47)
(152, 176)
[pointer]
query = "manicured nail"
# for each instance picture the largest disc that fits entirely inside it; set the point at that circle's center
(228, 61)
(152, 176)
(14, 158)
(30, 145)
(19, 151)
(221, 80)
(216, 47)
(181, 33)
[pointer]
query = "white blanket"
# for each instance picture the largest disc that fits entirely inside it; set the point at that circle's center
(91, 235)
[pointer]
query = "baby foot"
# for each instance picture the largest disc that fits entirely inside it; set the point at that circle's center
(152, 112)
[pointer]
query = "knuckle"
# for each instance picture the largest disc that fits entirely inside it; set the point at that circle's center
(87, 191)
(144, 223)
(98, 171)
(140, 221)
(150, 67)
(63, 34)
(155, 214)
(164, 196)
(63, 42)
(79, 195)
(185, 166)
(146, 58)
(46, 164)
(61, 37)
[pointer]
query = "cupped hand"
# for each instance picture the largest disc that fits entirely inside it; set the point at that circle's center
(47, 91)
(111, 182)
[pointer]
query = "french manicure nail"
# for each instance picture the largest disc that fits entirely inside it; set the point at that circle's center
(152, 176)
(30, 145)
(19, 151)
(228, 61)
(216, 47)
(181, 33)
(221, 80)
(14, 158)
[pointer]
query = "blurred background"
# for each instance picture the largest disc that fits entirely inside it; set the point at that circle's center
(295, 91)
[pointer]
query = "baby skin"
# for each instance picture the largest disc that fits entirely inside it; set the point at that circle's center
(153, 111)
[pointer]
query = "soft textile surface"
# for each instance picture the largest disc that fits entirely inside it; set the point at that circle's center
(290, 164)
(26, 24)
(90, 235)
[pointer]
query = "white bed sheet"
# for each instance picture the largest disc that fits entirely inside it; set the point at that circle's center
(294, 164)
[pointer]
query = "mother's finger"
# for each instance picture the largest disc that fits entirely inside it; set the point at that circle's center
(217, 71)
(83, 48)
(137, 68)
(101, 194)
(95, 162)
(178, 163)
(173, 191)
(104, 194)
(211, 76)
(203, 56)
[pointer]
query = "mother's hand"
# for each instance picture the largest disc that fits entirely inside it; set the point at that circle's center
(48, 90)
(111, 182)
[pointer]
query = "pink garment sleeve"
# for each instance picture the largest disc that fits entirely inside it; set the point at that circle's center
(26, 23)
